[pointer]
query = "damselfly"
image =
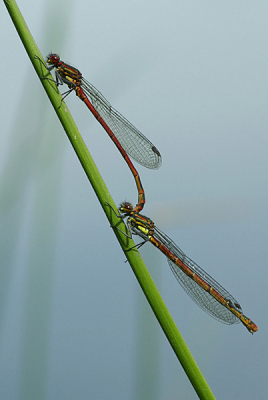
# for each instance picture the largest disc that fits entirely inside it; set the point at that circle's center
(128, 139)
(205, 291)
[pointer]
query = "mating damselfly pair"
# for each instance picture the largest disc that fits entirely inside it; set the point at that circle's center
(199, 285)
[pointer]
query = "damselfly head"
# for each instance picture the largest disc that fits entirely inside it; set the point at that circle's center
(53, 58)
(126, 208)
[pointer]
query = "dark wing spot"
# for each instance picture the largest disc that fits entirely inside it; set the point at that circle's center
(156, 151)
(238, 306)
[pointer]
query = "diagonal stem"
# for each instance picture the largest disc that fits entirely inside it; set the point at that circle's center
(157, 304)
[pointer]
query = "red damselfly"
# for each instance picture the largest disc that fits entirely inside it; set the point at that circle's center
(198, 284)
(128, 139)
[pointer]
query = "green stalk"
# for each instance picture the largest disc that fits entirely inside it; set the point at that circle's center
(157, 304)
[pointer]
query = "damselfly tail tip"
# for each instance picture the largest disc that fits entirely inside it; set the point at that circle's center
(254, 328)
(250, 325)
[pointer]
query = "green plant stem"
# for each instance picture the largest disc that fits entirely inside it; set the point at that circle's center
(157, 304)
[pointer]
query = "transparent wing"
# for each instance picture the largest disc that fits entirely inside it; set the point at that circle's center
(132, 140)
(200, 296)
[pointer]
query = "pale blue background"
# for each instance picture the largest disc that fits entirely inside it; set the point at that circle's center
(192, 76)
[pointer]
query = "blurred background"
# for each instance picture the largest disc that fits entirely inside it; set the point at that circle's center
(192, 76)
